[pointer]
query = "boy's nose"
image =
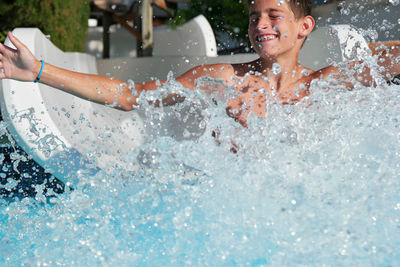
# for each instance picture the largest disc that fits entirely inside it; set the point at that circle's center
(263, 24)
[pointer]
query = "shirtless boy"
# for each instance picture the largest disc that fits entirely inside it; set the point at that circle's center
(277, 30)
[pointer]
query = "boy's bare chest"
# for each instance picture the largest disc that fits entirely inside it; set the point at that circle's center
(258, 89)
(253, 92)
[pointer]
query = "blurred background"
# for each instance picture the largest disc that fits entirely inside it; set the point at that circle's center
(66, 22)
(85, 25)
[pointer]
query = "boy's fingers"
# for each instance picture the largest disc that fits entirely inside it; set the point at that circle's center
(15, 41)
(2, 48)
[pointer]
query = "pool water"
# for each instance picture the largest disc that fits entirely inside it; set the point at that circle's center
(313, 183)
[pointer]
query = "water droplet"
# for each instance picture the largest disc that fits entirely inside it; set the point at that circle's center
(276, 68)
(186, 133)
(305, 73)
(345, 11)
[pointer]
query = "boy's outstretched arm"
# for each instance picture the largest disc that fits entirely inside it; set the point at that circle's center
(388, 65)
(20, 64)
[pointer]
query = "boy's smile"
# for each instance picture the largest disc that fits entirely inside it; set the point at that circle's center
(266, 37)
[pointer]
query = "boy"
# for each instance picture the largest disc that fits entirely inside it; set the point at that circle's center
(277, 30)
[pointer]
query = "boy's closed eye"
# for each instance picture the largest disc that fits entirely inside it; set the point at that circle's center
(275, 16)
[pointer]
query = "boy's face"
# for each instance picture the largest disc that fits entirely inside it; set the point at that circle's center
(273, 28)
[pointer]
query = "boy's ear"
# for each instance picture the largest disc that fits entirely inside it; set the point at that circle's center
(307, 26)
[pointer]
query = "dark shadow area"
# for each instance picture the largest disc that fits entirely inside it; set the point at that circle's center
(22, 177)
(395, 80)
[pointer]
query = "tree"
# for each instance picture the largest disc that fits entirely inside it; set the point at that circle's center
(66, 21)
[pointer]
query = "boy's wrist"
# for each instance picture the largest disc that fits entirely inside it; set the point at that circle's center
(36, 69)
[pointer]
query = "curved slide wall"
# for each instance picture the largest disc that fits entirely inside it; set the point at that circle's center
(62, 132)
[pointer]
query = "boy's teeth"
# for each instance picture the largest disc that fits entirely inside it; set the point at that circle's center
(264, 38)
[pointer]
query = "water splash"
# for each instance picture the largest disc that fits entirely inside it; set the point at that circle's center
(312, 183)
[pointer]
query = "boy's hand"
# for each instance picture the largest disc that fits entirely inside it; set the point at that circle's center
(18, 64)
(389, 57)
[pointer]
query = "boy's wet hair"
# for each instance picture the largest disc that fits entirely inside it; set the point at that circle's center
(300, 8)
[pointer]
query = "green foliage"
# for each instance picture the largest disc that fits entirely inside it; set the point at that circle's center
(66, 21)
(225, 16)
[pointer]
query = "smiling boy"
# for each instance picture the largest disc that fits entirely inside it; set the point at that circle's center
(277, 31)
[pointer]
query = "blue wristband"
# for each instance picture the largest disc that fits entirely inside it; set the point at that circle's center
(40, 73)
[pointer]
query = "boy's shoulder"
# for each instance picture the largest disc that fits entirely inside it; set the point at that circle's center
(222, 71)
(324, 73)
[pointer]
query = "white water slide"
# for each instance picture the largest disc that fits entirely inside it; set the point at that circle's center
(68, 135)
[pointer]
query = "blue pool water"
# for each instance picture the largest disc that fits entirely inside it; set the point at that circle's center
(314, 183)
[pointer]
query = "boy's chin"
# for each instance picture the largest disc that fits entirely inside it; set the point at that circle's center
(267, 54)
